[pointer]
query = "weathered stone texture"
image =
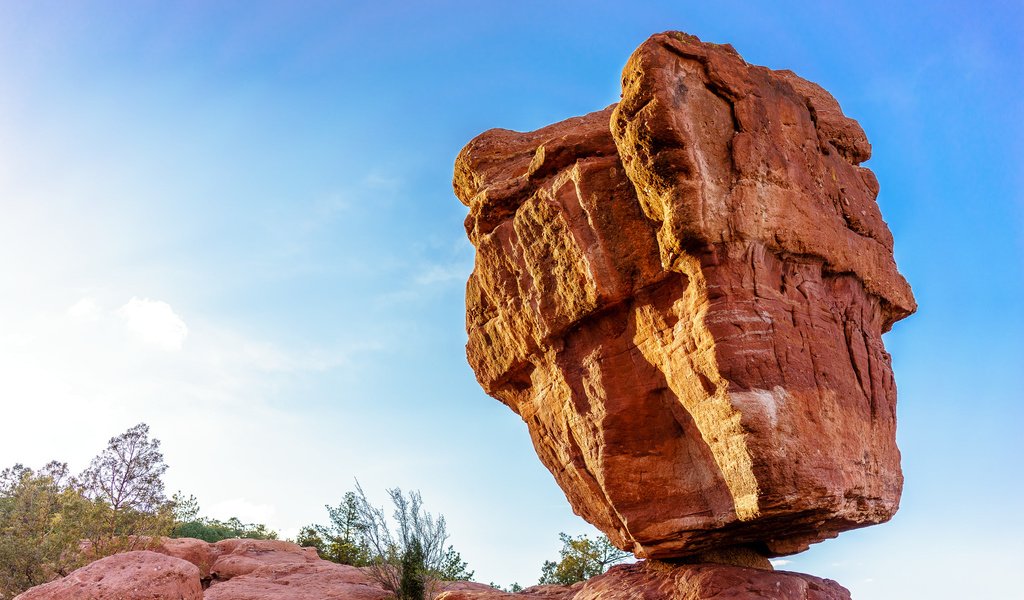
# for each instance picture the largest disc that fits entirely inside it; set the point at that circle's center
(651, 581)
(139, 575)
(683, 296)
(234, 569)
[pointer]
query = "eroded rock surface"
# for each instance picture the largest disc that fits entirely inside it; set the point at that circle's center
(140, 575)
(320, 580)
(235, 557)
(683, 296)
(235, 569)
(653, 581)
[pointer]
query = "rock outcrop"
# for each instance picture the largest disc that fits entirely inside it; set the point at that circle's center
(140, 575)
(237, 557)
(321, 580)
(653, 581)
(235, 569)
(683, 296)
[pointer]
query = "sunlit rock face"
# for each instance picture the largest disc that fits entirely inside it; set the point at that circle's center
(683, 296)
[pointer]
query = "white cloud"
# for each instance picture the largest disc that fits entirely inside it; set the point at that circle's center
(154, 322)
(779, 562)
(85, 309)
(244, 510)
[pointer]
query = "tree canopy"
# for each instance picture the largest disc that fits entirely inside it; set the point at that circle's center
(52, 522)
(580, 559)
(43, 517)
(406, 554)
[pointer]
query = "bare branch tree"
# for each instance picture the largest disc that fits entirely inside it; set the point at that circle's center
(125, 483)
(406, 561)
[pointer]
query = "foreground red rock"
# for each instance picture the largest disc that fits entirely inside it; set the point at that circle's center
(201, 554)
(319, 580)
(683, 296)
(140, 575)
(237, 557)
(651, 581)
(233, 570)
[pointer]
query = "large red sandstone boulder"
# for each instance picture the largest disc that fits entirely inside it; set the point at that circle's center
(651, 581)
(198, 552)
(683, 296)
(140, 575)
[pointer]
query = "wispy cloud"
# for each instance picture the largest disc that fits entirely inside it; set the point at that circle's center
(442, 273)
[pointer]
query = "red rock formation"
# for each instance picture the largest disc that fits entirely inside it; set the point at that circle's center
(319, 580)
(201, 554)
(235, 569)
(651, 581)
(140, 575)
(683, 297)
(237, 557)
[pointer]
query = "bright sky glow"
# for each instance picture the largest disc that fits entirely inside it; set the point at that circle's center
(234, 221)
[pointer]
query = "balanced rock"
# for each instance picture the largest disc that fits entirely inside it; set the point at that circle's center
(140, 575)
(683, 296)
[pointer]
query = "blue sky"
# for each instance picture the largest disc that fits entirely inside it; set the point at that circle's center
(234, 221)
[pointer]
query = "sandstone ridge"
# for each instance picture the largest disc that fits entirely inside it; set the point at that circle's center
(683, 296)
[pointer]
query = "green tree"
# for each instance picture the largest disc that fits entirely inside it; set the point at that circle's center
(188, 524)
(185, 510)
(212, 530)
(52, 523)
(412, 585)
(125, 484)
(452, 567)
(580, 559)
(411, 553)
(42, 515)
(341, 540)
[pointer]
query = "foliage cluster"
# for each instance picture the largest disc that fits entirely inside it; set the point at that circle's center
(188, 524)
(52, 522)
(405, 554)
(580, 559)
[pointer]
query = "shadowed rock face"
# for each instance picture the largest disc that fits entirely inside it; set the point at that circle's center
(683, 296)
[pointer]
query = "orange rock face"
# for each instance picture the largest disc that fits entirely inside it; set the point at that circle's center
(683, 296)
